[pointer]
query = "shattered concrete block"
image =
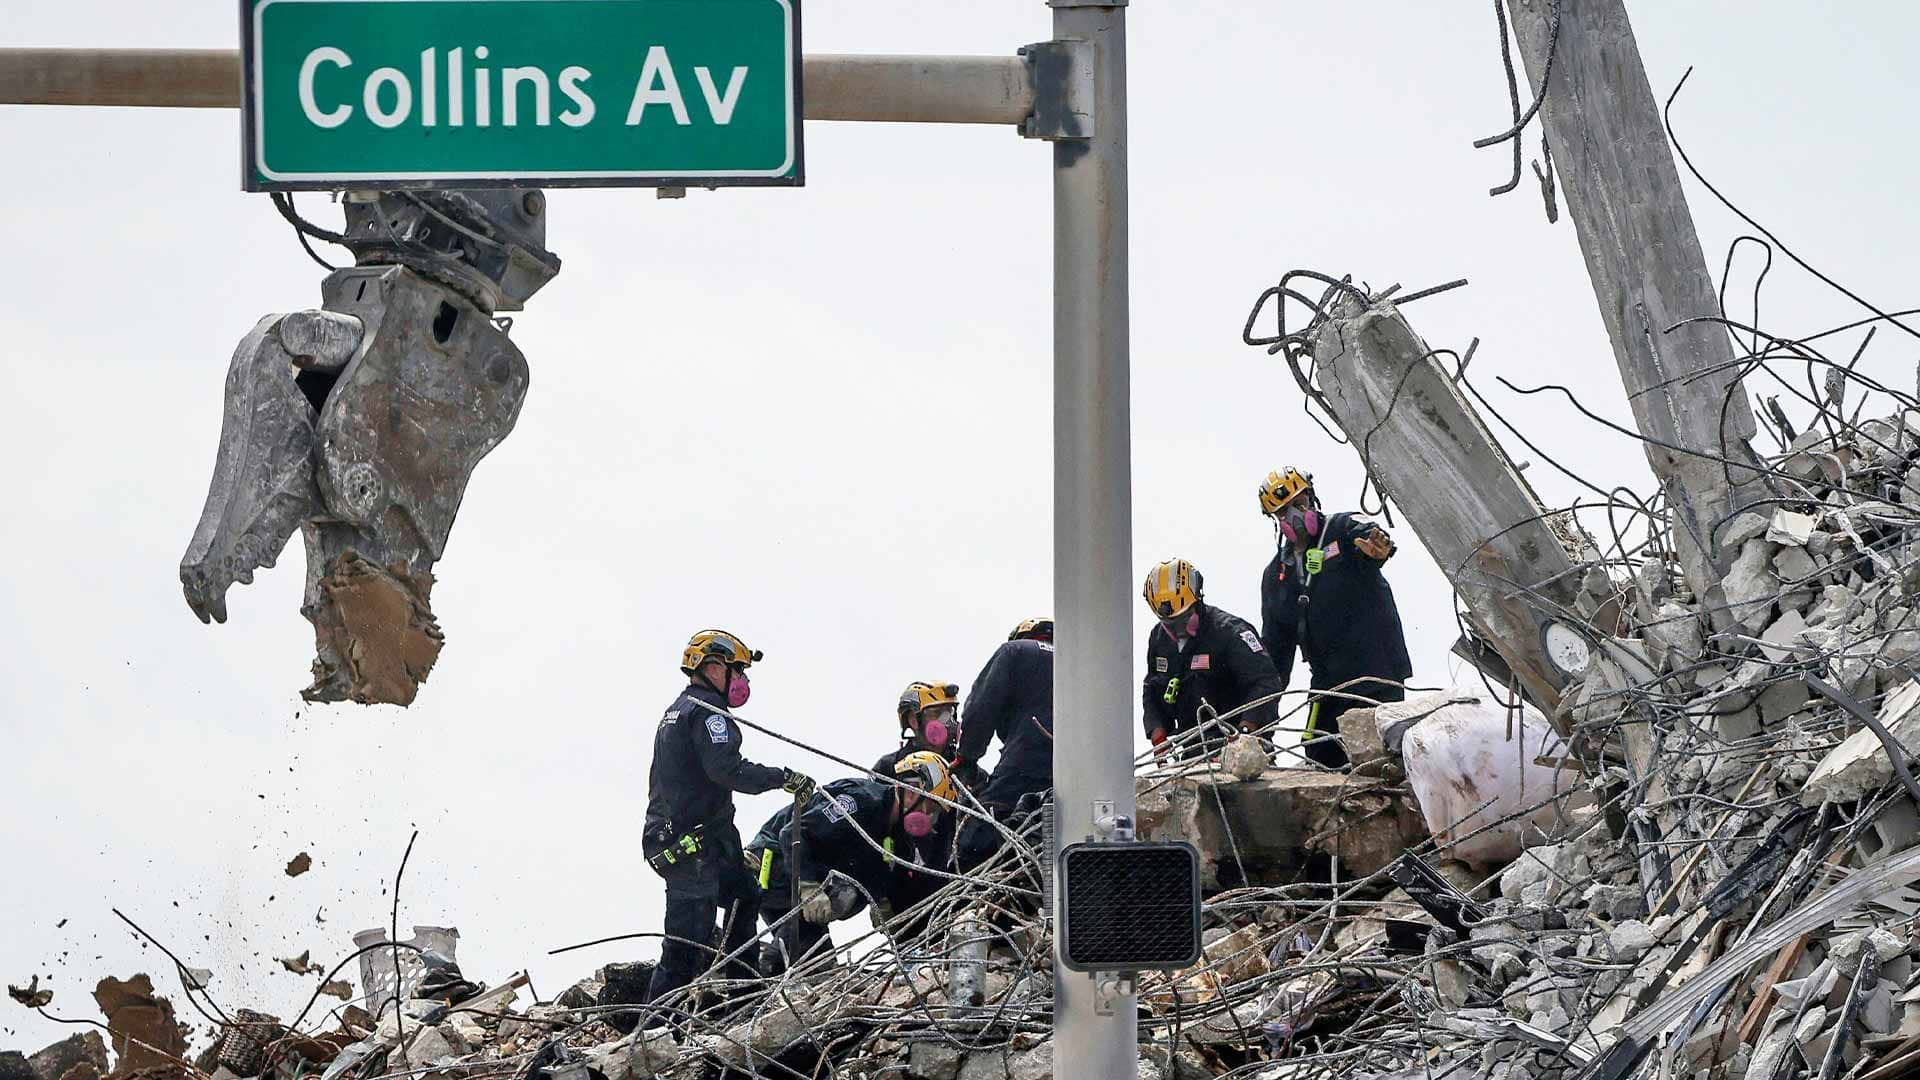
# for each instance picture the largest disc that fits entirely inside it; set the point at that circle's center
(1788, 527)
(1630, 940)
(144, 1032)
(53, 1062)
(932, 1060)
(1878, 1012)
(1780, 639)
(1844, 951)
(1244, 758)
(1750, 585)
(1276, 819)
(1534, 866)
(1795, 564)
(375, 636)
(1859, 764)
(1674, 635)
(1744, 527)
(431, 1046)
(13, 1066)
(1896, 829)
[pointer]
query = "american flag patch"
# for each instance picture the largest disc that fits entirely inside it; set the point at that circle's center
(1201, 662)
(1333, 549)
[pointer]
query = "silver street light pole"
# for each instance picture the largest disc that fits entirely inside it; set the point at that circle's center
(1094, 1017)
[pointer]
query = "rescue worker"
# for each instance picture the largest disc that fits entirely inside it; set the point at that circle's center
(1013, 699)
(1200, 653)
(689, 838)
(1325, 595)
(929, 716)
(834, 851)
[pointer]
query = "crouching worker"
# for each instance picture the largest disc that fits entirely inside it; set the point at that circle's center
(855, 834)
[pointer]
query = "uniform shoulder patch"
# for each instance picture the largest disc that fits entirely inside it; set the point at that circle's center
(1046, 645)
(1160, 664)
(840, 807)
(717, 728)
(1253, 641)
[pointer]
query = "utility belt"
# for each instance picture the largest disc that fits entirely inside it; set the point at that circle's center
(678, 850)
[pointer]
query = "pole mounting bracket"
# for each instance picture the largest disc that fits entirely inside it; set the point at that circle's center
(1062, 75)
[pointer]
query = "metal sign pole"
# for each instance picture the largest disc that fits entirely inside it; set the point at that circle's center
(1094, 1020)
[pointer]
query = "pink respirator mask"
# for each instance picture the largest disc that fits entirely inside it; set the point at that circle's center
(917, 823)
(738, 690)
(1301, 527)
(935, 733)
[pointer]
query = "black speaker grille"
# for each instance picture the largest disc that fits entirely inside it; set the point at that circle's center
(1130, 907)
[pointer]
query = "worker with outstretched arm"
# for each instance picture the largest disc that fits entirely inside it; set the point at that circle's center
(1012, 699)
(860, 830)
(1325, 595)
(689, 838)
(1198, 653)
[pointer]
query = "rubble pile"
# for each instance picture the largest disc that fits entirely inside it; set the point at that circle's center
(1698, 867)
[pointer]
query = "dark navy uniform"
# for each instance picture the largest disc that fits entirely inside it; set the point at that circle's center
(1223, 663)
(1341, 618)
(830, 840)
(1013, 699)
(696, 769)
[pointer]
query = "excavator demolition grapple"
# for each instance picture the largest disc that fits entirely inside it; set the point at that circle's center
(359, 424)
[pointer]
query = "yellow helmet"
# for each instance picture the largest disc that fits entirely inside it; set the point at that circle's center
(926, 771)
(1040, 629)
(716, 645)
(1172, 587)
(925, 695)
(1282, 487)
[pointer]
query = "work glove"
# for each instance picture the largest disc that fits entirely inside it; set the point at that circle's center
(881, 913)
(816, 904)
(798, 784)
(968, 773)
(1375, 544)
(1159, 741)
(751, 860)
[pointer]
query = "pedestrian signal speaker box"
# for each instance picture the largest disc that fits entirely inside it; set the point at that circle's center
(1129, 906)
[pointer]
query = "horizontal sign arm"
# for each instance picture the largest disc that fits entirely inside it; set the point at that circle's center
(902, 89)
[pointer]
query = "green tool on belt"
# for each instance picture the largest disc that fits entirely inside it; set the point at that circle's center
(1316, 558)
(1173, 690)
(688, 846)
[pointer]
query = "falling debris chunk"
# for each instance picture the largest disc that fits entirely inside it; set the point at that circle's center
(145, 1033)
(299, 864)
(374, 632)
(339, 988)
(299, 965)
(30, 995)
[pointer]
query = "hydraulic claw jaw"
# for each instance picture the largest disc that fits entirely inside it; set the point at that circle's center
(360, 424)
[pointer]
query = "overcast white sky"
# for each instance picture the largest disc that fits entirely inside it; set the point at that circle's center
(818, 417)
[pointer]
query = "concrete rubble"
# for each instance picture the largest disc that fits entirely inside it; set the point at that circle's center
(1702, 865)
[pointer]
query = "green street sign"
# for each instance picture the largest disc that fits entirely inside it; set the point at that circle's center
(489, 93)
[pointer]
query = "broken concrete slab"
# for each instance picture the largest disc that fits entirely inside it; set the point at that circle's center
(145, 1033)
(1749, 586)
(1745, 526)
(1859, 764)
(1780, 639)
(1788, 527)
(1298, 810)
(52, 1062)
(299, 864)
(1795, 564)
